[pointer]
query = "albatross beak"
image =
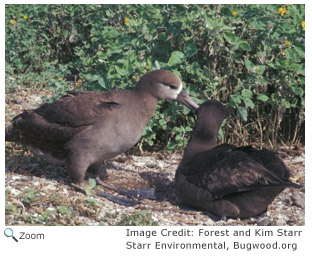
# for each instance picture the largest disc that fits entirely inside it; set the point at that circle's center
(185, 99)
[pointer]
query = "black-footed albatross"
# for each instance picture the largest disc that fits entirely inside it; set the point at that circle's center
(82, 129)
(226, 180)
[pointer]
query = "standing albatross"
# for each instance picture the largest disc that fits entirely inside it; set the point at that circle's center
(226, 180)
(82, 129)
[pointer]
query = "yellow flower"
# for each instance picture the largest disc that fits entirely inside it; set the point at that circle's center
(287, 43)
(25, 17)
(234, 12)
(282, 10)
(60, 78)
(126, 20)
(303, 25)
(12, 21)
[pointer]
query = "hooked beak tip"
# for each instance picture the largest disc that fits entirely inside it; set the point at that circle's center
(186, 100)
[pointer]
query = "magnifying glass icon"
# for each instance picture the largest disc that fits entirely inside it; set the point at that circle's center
(8, 232)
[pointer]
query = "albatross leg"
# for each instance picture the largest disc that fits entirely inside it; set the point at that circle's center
(77, 167)
(97, 170)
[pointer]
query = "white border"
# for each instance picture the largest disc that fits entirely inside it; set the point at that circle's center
(97, 242)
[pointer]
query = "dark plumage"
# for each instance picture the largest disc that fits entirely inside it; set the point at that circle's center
(84, 128)
(226, 180)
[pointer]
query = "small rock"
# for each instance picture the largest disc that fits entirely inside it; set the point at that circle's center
(279, 222)
(16, 177)
(161, 164)
(16, 101)
(115, 166)
(15, 192)
(264, 222)
(36, 183)
(298, 199)
(139, 164)
(150, 165)
(51, 187)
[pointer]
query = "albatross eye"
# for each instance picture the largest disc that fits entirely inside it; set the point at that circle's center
(173, 87)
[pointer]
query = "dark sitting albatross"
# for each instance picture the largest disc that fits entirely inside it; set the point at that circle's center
(226, 180)
(82, 129)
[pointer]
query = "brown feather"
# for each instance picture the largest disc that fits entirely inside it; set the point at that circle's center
(227, 180)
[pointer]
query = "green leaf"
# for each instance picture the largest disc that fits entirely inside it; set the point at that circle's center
(110, 33)
(247, 93)
(120, 71)
(300, 49)
(235, 98)
(156, 65)
(194, 69)
(242, 112)
(63, 210)
(178, 138)
(288, 28)
(294, 102)
(249, 102)
(92, 182)
(244, 45)
(186, 110)
(259, 69)
(163, 124)
(102, 82)
(293, 11)
(190, 50)
(292, 55)
(297, 67)
(207, 73)
(87, 189)
(286, 104)
(262, 97)
(171, 145)
(89, 76)
(249, 65)
(175, 58)
(230, 37)
(270, 64)
(221, 134)
(188, 128)
(298, 91)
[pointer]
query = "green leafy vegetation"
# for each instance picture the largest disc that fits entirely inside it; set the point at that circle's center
(139, 218)
(38, 206)
(250, 57)
(90, 188)
(29, 196)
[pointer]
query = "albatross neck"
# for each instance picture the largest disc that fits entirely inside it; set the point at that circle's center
(196, 146)
(146, 101)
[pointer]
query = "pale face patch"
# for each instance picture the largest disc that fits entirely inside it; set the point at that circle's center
(168, 92)
(174, 92)
(178, 91)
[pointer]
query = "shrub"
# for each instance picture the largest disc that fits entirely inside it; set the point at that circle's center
(250, 57)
